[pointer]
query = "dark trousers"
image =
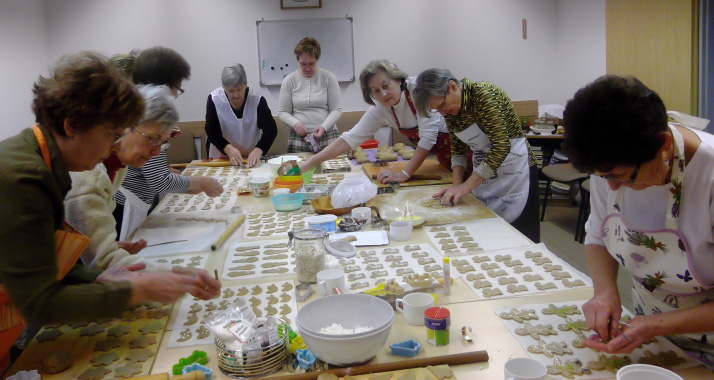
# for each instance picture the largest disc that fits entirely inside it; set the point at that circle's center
(118, 217)
(528, 223)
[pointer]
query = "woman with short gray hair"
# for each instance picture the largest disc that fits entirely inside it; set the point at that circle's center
(383, 81)
(481, 117)
(239, 122)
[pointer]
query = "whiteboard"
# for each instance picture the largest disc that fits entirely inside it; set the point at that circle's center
(277, 40)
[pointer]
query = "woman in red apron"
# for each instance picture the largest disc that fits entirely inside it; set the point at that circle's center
(652, 213)
(383, 81)
(83, 109)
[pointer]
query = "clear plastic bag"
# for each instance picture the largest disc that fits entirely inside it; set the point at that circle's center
(352, 191)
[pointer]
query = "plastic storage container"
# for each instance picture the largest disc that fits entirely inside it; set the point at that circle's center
(326, 223)
(287, 202)
(260, 186)
(310, 254)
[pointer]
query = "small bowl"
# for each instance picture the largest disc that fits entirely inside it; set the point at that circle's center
(277, 161)
(400, 230)
(287, 202)
(396, 214)
(323, 205)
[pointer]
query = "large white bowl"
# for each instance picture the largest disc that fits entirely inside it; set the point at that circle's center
(350, 311)
(277, 161)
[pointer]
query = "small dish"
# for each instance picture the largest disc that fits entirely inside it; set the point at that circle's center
(407, 348)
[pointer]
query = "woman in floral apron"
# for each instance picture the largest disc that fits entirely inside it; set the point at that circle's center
(383, 81)
(83, 109)
(652, 198)
(481, 119)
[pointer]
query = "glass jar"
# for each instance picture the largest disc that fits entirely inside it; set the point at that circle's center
(309, 247)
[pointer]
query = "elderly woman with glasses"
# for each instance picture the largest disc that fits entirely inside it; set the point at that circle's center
(83, 108)
(383, 81)
(239, 122)
(652, 215)
(480, 116)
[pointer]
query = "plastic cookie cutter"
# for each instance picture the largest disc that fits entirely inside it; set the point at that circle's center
(207, 372)
(465, 331)
(303, 292)
(305, 358)
(407, 348)
(199, 357)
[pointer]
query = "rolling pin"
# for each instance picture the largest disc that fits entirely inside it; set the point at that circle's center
(194, 375)
(217, 163)
(452, 359)
(228, 232)
(417, 177)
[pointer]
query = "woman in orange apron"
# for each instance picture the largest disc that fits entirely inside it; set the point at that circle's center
(383, 81)
(83, 109)
(652, 213)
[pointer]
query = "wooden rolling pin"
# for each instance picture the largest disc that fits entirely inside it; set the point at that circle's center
(217, 163)
(417, 177)
(228, 232)
(453, 359)
(194, 375)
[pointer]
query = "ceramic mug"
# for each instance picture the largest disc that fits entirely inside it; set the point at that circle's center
(646, 371)
(413, 306)
(329, 279)
(524, 369)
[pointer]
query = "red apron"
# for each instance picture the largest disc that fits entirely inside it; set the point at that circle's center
(69, 245)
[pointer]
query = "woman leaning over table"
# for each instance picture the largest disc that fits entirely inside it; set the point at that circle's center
(83, 109)
(238, 120)
(652, 213)
(383, 81)
(310, 100)
(480, 116)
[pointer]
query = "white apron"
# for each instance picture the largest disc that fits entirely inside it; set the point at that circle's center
(658, 261)
(135, 213)
(506, 192)
(243, 132)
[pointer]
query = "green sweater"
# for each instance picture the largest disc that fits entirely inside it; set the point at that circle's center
(488, 106)
(31, 210)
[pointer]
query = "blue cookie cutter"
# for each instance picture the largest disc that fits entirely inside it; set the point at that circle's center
(407, 348)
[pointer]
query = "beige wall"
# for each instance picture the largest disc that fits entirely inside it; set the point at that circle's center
(656, 41)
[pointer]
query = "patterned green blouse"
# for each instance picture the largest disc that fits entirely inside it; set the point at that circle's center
(491, 109)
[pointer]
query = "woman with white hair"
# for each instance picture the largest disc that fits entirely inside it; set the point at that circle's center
(383, 81)
(238, 120)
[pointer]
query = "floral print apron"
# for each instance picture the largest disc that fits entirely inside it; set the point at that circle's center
(658, 262)
(69, 245)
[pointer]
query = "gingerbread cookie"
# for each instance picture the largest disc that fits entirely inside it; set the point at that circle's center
(48, 335)
(128, 370)
(569, 369)
(562, 311)
(550, 349)
(150, 328)
(119, 330)
(94, 373)
(139, 356)
(546, 286)
(519, 315)
(536, 331)
(104, 359)
(107, 344)
(667, 359)
(609, 363)
(490, 292)
(142, 342)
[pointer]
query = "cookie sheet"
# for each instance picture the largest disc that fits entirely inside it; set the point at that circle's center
(258, 259)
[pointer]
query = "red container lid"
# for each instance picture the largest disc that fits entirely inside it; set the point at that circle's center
(437, 312)
(369, 144)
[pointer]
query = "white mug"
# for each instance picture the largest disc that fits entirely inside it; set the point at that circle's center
(524, 369)
(413, 306)
(362, 213)
(329, 279)
(646, 371)
(400, 230)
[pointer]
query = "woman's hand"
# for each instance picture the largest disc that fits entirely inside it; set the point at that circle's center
(234, 155)
(602, 312)
(625, 337)
(207, 185)
(450, 196)
(209, 285)
(386, 176)
(132, 247)
(300, 129)
(254, 156)
(166, 287)
(318, 132)
(120, 273)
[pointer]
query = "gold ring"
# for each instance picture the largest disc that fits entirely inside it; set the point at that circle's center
(206, 288)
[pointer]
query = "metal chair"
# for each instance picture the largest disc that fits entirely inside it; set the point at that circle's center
(584, 210)
(564, 173)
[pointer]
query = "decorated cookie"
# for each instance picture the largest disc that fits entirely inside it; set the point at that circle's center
(203, 332)
(667, 359)
(609, 363)
(569, 369)
(550, 349)
(562, 311)
(536, 331)
(519, 315)
(185, 335)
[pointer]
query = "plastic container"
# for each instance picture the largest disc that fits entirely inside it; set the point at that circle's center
(287, 202)
(447, 276)
(369, 144)
(277, 161)
(281, 191)
(307, 176)
(326, 223)
(310, 192)
(437, 321)
(310, 254)
(292, 186)
(260, 186)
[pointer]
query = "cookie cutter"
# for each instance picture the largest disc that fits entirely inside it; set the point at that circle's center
(303, 292)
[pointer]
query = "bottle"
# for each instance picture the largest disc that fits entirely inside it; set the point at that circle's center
(447, 276)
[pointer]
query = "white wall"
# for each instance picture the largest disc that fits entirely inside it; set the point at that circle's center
(478, 39)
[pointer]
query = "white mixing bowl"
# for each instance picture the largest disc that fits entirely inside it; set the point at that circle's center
(350, 311)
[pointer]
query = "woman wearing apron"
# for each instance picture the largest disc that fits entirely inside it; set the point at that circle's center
(383, 81)
(239, 122)
(652, 212)
(83, 109)
(481, 117)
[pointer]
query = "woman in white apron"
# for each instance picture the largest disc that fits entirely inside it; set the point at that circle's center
(239, 123)
(481, 117)
(652, 212)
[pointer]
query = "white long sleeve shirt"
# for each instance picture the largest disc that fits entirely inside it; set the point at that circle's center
(379, 115)
(315, 101)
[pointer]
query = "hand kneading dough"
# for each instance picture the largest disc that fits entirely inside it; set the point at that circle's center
(387, 156)
(407, 154)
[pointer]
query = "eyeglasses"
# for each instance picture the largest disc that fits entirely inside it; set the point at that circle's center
(442, 105)
(179, 91)
(154, 141)
(117, 137)
(631, 180)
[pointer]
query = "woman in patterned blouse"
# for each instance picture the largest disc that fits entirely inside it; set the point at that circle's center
(480, 116)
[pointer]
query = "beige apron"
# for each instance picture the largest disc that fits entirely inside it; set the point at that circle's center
(69, 245)
(658, 261)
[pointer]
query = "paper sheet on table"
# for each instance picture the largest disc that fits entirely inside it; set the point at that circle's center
(199, 239)
(364, 238)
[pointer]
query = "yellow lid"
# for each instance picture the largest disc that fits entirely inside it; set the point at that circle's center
(446, 260)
